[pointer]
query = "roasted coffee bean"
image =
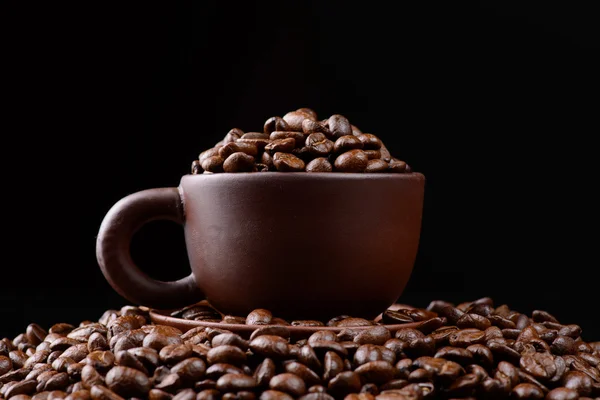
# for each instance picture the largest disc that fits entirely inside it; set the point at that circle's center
(270, 346)
(281, 145)
(275, 124)
(347, 143)
(431, 324)
(370, 142)
(322, 335)
(527, 391)
(294, 119)
(467, 337)
(20, 388)
(275, 394)
(344, 383)
(254, 135)
(482, 355)
(370, 352)
(230, 148)
(348, 322)
(231, 319)
(397, 166)
(309, 126)
(376, 335)
(306, 374)
(264, 372)
(562, 394)
(238, 162)
(235, 383)
(281, 331)
(308, 357)
(339, 126)
(127, 382)
(297, 136)
(233, 135)
(215, 371)
(385, 154)
(542, 316)
(378, 372)
(35, 334)
(147, 356)
(473, 321)
(352, 161)
(539, 365)
(91, 377)
(126, 359)
(373, 155)
(572, 330)
(457, 354)
(285, 162)
(97, 341)
(333, 365)
(396, 317)
(322, 346)
(169, 383)
(320, 164)
(318, 145)
(100, 360)
(375, 165)
(64, 343)
(578, 381)
(227, 354)
(190, 370)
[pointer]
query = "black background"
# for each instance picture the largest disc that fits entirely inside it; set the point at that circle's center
(492, 101)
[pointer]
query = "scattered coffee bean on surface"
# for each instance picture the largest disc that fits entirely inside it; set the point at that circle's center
(300, 142)
(466, 351)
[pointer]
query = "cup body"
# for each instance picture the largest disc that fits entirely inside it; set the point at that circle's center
(304, 245)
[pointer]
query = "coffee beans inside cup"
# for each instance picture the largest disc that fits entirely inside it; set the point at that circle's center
(300, 142)
(473, 350)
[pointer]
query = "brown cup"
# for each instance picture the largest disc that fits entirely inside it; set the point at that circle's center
(303, 245)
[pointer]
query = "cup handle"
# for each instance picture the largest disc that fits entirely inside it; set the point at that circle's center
(113, 250)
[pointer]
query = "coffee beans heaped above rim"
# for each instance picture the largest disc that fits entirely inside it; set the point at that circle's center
(473, 350)
(299, 142)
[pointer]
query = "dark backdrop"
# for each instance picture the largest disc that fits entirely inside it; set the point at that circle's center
(493, 102)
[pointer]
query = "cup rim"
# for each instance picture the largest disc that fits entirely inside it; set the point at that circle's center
(316, 175)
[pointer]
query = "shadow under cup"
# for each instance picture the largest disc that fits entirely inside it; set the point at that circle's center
(303, 245)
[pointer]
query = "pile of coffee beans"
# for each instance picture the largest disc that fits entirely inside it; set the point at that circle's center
(300, 142)
(472, 350)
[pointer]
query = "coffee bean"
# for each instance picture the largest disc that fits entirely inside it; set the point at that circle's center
(322, 335)
(370, 142)
(275, 124)
(127, 382)
(147, 356)
(97, 341)
(562, 394)
(91, 377)
(385, 154)
(170, 383)
(270, 346)
(333, 365)
(431, 324)
(215, 371)
(464, 385)
(281, 145)
(297, 136)
(370, 352)
(352, 161)
(238, 162)
(481, 355)
(339, 126)
(541, 316)
(64, 343)
(373, 155)
(126, 359)
(396, 317)
(227, 354)
(467, 337)
(100, 360)
(285, 162)
(306, 374)
(310, 126)
(230, 148)
(573, 331)
(21, 388)
(344, 383)
(264, 372)
(209, 394)
(322, 346)
(375, 165)
(473, 321)
(457, 354)
(273, 330)
(377, 335)
(275, 394)
(527, 391)
(318, 145)
(190, 370)
(319, 164)
(294, 119)
(398, 166)
(348, 322)
(578, 381)
(346, 143)
(231, 319)
(540, 365)
(233, 135)
(35, 334)
(308, 357)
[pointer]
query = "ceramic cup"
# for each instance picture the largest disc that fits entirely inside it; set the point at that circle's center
(303, 245)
